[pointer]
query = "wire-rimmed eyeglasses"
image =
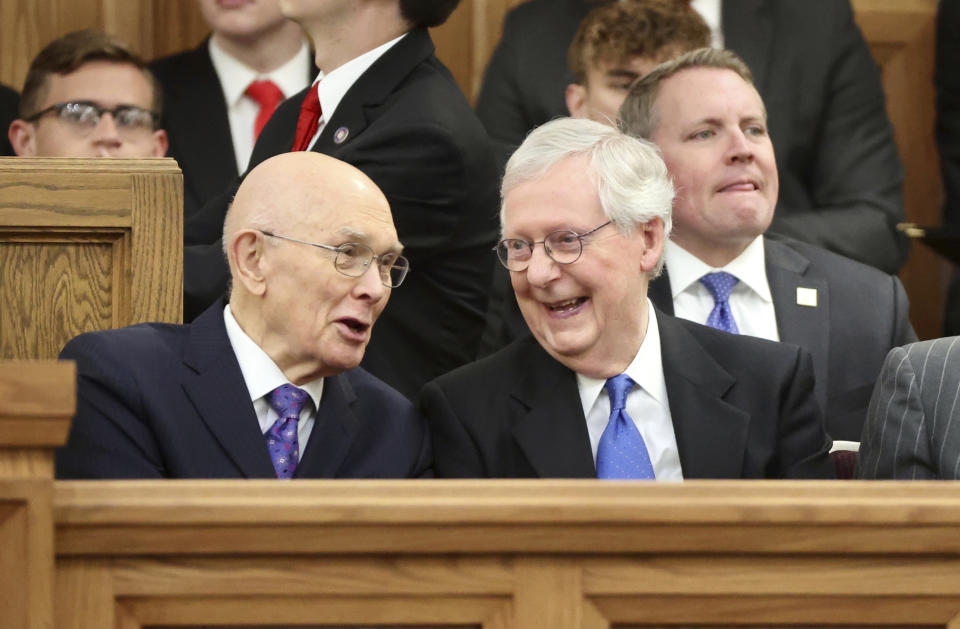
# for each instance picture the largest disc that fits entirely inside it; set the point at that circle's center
(84, 116)
(564, 246)
(354, 258)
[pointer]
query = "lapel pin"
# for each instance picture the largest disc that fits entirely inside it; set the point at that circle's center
(340, 135)
(806, 296)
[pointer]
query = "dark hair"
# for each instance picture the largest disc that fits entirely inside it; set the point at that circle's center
(66, 54)
(427, 12)
(621, 31)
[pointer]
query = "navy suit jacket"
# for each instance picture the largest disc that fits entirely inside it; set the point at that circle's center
(197, 124)
(840, 174)
(169, 401)
(742, 407)
(405, 124)
(861, 314)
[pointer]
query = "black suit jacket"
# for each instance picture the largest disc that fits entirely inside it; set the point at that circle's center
(197, 124)
(169, 401)
(405, 124)
(9, 111)
(840, 174)
(861, 314)
(741, 407)
(947, 80)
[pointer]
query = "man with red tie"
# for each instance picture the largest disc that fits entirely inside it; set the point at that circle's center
(384, 103)
(219, 95)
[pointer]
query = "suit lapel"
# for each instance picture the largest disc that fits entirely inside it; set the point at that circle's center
(711, 434)
(371, 90)
(748, 31)
(803, 325)
(333, 432)
(551, 429)
(220, 396)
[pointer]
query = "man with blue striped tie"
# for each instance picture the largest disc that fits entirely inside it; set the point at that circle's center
(607, 386)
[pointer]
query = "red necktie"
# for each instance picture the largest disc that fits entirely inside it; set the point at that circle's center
(309, 120)
(268, 96)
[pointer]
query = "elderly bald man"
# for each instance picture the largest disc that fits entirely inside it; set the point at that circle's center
(267, 386)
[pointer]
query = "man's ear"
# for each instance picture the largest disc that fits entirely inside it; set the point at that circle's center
(576, 96)
(160, 143)
(23, 138)
(247, 263)
(653, 242)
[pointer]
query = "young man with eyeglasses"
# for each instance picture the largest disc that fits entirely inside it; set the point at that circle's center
(607, 387)
(70, 88)
(267, 385)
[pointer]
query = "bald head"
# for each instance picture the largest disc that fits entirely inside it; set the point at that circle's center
(292, 298)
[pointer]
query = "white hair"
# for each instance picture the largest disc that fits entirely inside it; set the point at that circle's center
(631, 177)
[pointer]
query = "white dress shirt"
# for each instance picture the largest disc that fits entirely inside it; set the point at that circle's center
(262, 376)
(242, 110)
(750, 301)
(647, 405)
(710, 11)
(334, 85)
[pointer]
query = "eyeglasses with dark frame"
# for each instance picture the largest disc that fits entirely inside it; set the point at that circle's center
(564, 246)
(84, 116)
(354, 258)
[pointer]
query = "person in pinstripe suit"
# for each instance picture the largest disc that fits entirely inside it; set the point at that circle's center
(913, 421)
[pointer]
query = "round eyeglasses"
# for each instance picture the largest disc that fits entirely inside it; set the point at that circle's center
(563, 246)
(354, 258)
(84, 116)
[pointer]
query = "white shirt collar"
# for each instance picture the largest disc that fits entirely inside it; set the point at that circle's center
(236, 76)
(646, 369)
(749, 267)
(260, 373)
(711, 12)
(335, 84)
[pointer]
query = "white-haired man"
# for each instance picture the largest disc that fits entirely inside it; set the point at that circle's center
(607, 387)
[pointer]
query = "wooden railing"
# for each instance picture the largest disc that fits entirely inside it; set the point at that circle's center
(487, 553)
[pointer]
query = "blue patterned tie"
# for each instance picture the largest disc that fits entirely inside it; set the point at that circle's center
(621, 452)
(720, 285)
(282, 443)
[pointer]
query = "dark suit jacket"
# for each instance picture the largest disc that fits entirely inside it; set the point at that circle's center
(742, 408)
(410, 129)
(169, 401)
(911, 428)
(9, 111)
(840, 175)
(947, 80)
(861, 314)
(195, 118)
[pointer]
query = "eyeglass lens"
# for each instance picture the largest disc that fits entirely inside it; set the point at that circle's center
(354, 259)
(127, 118)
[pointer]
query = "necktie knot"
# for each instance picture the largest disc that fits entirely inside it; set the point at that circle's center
(267, 95)
(617, 389)
(288, 401)
(720, 284)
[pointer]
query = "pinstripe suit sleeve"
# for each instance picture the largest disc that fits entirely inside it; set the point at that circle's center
(913, 422)
(895, 443)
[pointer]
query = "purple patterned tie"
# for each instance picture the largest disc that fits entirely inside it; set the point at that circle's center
(720, 285)
(282, 443)
(622, 452)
